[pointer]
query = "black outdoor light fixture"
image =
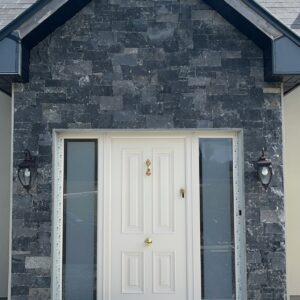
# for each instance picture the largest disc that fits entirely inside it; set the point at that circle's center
(27, 171)
(264, 170)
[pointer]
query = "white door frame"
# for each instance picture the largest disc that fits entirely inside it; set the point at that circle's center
(191, 137)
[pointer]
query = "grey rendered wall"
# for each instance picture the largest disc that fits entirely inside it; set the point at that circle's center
(148, 64)
(5, 180)
(291, 126)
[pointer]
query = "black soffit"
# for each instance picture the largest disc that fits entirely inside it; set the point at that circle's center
(281, 56)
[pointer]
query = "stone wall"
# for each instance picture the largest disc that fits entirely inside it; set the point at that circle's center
(147, 64)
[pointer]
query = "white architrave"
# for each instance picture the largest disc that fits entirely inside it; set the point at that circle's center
(57, 217)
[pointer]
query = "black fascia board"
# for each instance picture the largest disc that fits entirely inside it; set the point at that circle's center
(25, 63)
(59, 17)
(13, 25)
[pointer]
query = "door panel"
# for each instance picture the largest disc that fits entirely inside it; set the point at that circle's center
(132, 272)
(163, 192)
(148, 206)
(163, 272)
(132, 193)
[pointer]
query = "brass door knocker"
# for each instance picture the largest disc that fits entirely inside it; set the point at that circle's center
(148, 164)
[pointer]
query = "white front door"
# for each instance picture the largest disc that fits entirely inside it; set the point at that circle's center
(129, 217)
(148, 250)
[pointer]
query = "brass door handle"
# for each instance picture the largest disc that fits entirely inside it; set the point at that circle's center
(148, 242)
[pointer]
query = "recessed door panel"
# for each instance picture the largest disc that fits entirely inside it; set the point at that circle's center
(132, 272)
(132, 192)
(163, 192)
(164, 272)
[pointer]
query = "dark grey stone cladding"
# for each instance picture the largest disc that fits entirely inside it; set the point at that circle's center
(147, 64)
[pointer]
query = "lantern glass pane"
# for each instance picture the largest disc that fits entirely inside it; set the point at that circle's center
(265, 177)
(25, 178)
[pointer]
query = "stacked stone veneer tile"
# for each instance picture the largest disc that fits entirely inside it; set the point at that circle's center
(147, 64)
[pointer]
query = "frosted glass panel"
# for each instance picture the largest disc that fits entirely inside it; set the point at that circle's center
(80, 220)
(217, 219)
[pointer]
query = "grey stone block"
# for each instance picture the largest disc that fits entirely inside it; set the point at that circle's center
(111, 103)
(39, 294)
(254, 257)
(277, 260)
(207, 59)
(160, 31)
(38, 263)
(269, 216)
(159, 121)
(127, 59)
(121, 87)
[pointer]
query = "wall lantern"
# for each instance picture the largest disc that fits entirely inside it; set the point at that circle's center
(264, 170)
(27, 171)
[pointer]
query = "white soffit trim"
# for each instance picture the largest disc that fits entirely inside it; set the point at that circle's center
(40, 16)
(254, 18)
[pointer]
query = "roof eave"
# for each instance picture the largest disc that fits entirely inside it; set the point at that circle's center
(37, 34)
(278, 66)
(58, 16)
(12, 26)
(267, 15)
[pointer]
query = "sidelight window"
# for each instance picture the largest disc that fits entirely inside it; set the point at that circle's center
(80, 220)
(217, 219)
